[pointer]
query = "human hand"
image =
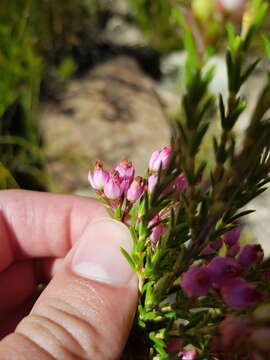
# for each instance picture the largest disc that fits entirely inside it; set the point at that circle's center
(87, 308)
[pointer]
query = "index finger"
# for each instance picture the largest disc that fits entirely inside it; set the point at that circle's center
(35, 224)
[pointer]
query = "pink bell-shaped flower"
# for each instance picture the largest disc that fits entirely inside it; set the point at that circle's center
(125, 169)
(98, 177)
(136, 189)
(160, 158)
(197, 281)
(112, 187)
(240, 294)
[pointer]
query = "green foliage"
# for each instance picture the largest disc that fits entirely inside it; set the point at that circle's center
(206, 209)
(156, 19)
(34, 35)
(21, 72)
(20, 65)
(60, 24)
(7, 181)
(267, 47)
(66, 68)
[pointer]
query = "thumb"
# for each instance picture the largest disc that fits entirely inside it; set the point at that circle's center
(87, 309)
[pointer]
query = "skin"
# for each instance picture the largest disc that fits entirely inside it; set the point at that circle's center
(73, 318)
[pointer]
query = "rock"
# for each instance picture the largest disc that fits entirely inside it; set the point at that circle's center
(258, 222)
(112, 113)
(120, 7)
(120, 32)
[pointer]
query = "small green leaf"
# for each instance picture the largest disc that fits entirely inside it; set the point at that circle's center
(243, 213)
(250, 69)
(128, 258)
(266, 46)
(7, 181)
(118, 212)
(222, 113)
(231, 34)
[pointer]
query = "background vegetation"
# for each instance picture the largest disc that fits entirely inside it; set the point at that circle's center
(45, 42)
(36, 39)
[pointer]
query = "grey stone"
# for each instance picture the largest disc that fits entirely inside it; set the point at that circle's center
(112, 113)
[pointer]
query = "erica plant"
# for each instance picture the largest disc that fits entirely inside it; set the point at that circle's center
(203, 295)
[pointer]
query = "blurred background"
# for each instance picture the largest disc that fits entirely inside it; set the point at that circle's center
(82, 80)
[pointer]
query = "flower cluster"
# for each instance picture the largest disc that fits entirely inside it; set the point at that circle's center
(120, 189)
(225, 275)
(223, 269)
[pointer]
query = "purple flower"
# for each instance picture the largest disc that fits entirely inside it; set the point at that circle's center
(250, 255)
(188, 354)
(239, 294)
(152, 182)
(232, 237)
(125, 169)
(136, 189)
(197, 281)
(112, 187)
(160, 158)
(98, 177)
(223, 269)
(233, 330)
(157, 231)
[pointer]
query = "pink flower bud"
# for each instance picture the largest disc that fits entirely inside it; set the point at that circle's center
(197, 281)
(188, 355)
(157, 231)
(239, 294)
(112, 187)
(136, 189)
(160, 158)
(232, 237)
(250, 255)
(125, 169)
(154, 160)
(181, 182)
(231, 5)
(152, 182)
(98, 177)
